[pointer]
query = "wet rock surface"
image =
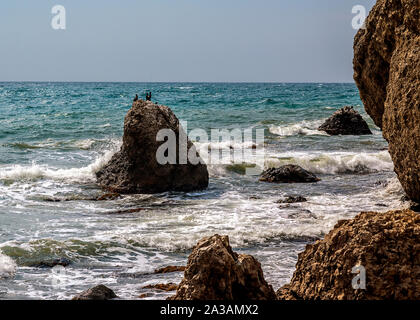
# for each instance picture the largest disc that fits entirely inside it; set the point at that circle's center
(288, 174)
(100, 292)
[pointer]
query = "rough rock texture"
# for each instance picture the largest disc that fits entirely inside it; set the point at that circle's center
(345, 121)
(288, 174)
(386, 244)
(97, 293)
(387, 73)
(135, 169)
(215, 272)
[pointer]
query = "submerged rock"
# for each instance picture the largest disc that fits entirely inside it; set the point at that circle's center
(387, 73)
(97, 293)
(345, 121)
(387, 245)
(292, 199)
(215, 272)
(135, 168)
(288, 174)
(64, 262)
(170, 269)
(162, 286)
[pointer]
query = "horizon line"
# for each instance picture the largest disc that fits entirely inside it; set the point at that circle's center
(195, 82)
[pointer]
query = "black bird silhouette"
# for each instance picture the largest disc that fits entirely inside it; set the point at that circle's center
(136, 98)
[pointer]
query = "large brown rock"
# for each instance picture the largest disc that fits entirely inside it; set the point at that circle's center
(387, 245)
(387, 73)
(135, 168)
(215, 272)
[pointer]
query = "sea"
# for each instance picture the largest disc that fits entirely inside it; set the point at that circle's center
(55, 136)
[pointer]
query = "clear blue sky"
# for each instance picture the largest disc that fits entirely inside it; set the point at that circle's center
(179, 40)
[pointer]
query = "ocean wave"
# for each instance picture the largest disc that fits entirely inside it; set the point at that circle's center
(7, 266)
(302, 128)
(224, 145)
(336, 163)
(40, 171)
(81, 144)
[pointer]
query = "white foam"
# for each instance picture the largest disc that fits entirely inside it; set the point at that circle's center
(336, 162)
(40, 171)
(7, 266)
(307, 128)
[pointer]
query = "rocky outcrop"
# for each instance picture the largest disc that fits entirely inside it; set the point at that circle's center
(387, 73)
(97, 293)
(345, 121)
(136, 169)
(288, 174)
(387, 245)
(215, 272)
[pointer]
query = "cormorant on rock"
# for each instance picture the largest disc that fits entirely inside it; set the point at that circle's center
(136, 97)
(149, 96)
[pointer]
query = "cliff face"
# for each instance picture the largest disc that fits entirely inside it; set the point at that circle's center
(387, 73)
(387, 245)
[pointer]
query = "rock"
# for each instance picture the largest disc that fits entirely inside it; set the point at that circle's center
(345, 121)
(134, 210)
(288, 174)
(52, 263)
(171, 269)
(387, 245)
(387, 72)
(135, 169)
(97, 293)
(215, 272)
(292, 199)
(163, 286)
(108, 196)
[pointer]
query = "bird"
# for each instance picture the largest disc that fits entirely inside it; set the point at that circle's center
(136, 97)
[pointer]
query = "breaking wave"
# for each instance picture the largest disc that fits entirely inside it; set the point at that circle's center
(307, 128)
(41, 171)
(7, 266)
(336, 163)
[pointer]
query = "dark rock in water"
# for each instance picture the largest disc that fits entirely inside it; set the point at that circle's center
(135, 168)
(170, 269)
(387, 73)
(292, 199)
(386, 245)
(97, 293)
(215, 272)
(288, 174)
(345, 121)
(52, 263)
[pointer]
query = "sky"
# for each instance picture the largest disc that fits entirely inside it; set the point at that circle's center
(179, 40)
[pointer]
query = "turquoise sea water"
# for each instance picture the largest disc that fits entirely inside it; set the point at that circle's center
(55, 136)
